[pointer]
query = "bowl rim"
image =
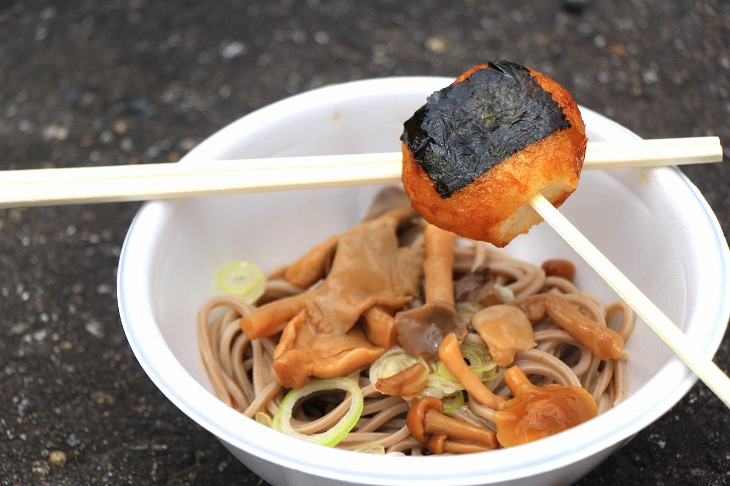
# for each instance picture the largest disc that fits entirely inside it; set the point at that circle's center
(134, 288)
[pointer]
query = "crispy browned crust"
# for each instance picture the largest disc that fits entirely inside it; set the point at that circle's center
(493, 207)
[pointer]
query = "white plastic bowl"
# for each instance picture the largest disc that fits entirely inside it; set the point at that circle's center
(653, 224)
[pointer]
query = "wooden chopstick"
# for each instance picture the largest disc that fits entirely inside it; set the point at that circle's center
(45, 187)
(168, 180)
(653, 152)
(703, 366)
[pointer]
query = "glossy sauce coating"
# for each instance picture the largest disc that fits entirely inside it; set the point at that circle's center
(319, 335)
(601, 340)
(536, 412)
(421, 329)
(559, 268)
(505, 329)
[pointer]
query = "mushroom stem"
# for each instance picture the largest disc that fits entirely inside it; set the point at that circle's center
(439, 443)
(451, 356)
(455, 429)
(438, 266)
(601, 340)
(426, 419)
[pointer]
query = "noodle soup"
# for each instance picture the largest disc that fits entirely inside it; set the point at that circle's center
(174, 249)
(392, 272)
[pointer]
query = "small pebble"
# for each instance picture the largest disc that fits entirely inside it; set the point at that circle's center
(57, 458)
(232, 50)
(26, 406)
(102, 398)
(73, 441)
(41, 468)
(436, 45)
(18, 328)
(95, 329)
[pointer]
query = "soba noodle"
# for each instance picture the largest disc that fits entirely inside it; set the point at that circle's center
(240, 370)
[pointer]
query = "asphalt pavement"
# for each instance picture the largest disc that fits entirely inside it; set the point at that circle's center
(92, 83)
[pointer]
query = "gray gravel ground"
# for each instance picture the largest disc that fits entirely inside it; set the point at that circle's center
(135, 81)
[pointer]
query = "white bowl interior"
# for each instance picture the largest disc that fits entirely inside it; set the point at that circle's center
(651, 223)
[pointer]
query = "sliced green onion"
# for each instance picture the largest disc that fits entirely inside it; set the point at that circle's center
(282, 418)
(443, 372)
(439, 386)
(480, 361)
(474, 353)
(453, 402)
(375, 449)
(486, 372)
(243, 280)
(263, 418)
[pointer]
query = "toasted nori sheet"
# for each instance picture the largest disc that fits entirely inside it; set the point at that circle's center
(467, 128)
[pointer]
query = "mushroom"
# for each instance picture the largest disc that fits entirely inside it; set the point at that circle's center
(428, 425)
(438, 265)
(314, 265)
(478, 286)
(406, 383)
(319, 331)
(601, 340)
(379, 325)
(369, 268)
(506, 330)
(559, 268)
(537, 412)
(421, 330)
(450, 354)
(303, 352)
(440, 443)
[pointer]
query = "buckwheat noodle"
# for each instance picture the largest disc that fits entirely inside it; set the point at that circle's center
(240, 371)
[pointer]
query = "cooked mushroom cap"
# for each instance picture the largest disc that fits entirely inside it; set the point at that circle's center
(416, 419)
